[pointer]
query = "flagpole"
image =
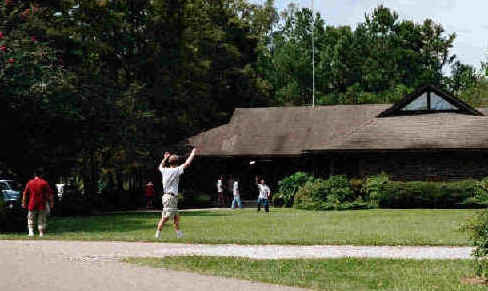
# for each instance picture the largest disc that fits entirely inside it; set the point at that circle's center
(313, 56)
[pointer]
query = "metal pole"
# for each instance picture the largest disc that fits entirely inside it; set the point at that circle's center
(313, 56)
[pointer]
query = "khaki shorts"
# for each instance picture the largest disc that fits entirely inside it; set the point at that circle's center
(170, 206)
(41, 219)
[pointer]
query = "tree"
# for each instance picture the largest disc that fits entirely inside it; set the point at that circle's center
(379, 62)
(37, 122)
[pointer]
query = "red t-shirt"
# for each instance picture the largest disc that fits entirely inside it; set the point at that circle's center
(149, 190)
(39, 192)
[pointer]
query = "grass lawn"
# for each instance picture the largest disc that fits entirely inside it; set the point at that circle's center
(332, 274)
(280, 226)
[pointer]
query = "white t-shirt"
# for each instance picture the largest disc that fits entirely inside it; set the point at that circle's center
(263, 191)
(60, 188)
(171, 178)
(219, 186)
(236, 188)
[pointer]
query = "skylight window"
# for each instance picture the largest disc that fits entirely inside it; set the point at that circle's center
(420, 103)
(439, 103)
(429, 99)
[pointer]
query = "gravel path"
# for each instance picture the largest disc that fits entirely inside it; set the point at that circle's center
(91, 249)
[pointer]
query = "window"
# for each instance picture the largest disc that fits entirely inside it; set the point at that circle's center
(3, 186)
(439, 103)
(420, 103)
(436, 103)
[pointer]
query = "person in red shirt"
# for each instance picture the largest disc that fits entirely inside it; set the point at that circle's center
(39, 193)
(149, 193)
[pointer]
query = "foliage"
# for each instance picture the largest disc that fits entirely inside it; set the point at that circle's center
(288, 187)
(73, 203)
(375, 188)
(334, 193)
(385, 193)
(96, 80)
(380, 61)
(476, 95)
(477, 229)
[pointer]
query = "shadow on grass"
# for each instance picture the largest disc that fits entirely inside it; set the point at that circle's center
(104, 224)
(205, 213)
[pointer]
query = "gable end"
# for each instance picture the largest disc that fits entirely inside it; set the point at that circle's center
(421, 102)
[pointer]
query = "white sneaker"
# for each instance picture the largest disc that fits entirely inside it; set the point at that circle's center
(157, 235)
(41, 234)
(31, 234)
(179, 234)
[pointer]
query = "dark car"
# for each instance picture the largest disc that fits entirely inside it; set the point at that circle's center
(11, 195)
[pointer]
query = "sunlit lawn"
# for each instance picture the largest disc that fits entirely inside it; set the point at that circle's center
(332, 274)
(280, 226)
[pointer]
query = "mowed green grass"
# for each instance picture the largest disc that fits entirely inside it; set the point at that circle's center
(332, 274)
(280, 226)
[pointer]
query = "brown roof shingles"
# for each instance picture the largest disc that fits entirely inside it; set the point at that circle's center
(425, 131)
(282, 130)
(289, 131)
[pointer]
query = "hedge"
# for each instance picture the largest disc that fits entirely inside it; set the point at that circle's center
(385, 193)
(337, 192)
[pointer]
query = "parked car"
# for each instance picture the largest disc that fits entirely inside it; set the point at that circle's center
(11, 195)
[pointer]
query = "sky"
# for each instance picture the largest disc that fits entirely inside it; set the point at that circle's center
(467, 18)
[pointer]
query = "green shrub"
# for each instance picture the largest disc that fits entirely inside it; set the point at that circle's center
(477, 229)
(385, 193)
(334, 193)
(375, 188)
(288, 187)
(480, 194)
(311, 195)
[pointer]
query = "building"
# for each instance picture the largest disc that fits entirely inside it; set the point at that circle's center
(428, 135)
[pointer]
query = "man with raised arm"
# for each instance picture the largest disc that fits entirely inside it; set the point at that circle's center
(171, 178)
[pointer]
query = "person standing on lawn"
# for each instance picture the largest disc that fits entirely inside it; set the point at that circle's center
(220, 192)
(264, 194)
(237, 197)
(39, 193)
(149, 194)
(171, 178)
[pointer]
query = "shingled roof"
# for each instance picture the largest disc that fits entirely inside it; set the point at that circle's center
(428, 131)
(282, 131)
(291, 131)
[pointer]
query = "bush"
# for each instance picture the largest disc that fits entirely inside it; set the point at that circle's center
(288, 187)
(334, 193)
(477, 229)
(384, 193)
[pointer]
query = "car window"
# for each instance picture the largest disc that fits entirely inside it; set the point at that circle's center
(3, 186)
(13, 185)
